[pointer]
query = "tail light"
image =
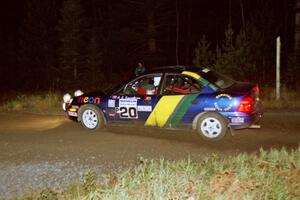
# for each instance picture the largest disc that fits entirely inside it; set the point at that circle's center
(246, 105)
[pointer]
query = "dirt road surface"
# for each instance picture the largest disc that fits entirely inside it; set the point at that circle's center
(40, 151)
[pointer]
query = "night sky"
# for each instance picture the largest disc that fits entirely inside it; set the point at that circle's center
(196, 18)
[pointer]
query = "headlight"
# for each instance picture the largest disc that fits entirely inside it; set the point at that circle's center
(78, 93)
(67, 98)
(64, 106)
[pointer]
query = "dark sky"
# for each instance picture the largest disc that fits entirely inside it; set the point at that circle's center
(11, 14)
(196, 18)
(205, 13)
(209, 17)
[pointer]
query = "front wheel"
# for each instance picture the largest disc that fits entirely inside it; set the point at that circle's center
(91, 117)
(212, 126)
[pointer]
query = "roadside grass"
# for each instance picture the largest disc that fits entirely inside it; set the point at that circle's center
(273, 174)
(47, 102)
(289, 99)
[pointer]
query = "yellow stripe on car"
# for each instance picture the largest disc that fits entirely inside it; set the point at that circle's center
(163, 110)
(192, 74)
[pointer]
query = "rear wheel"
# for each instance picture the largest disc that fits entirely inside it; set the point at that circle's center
(91, 117)
(211, 126)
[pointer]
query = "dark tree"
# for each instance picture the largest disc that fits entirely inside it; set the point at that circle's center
(293, 63)
(94, 70)
(204, 57)
(150, 22)
(72, 30)
(3, 69)
(37, 53)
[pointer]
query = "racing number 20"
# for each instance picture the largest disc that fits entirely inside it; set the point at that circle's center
(128, 112)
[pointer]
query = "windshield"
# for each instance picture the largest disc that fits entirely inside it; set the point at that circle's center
(219, 80)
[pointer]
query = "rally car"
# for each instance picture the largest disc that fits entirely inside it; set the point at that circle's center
(172, 97)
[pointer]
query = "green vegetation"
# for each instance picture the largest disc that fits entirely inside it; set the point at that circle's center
(43, 103)
(268, 175)
(289, 99)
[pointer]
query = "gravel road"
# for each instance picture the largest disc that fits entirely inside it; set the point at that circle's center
(41, 151)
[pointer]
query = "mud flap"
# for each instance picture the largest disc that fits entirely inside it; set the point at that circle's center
(255, 126)
(232, 131)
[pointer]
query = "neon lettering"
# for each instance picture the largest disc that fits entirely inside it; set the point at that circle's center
(97, 100)
(80, 100)
(90, 100)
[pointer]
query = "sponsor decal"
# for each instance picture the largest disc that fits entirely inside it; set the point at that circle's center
(147, 98)
(223, 107)
(124, 97)
(111, 103)
(90, 100)
(237, 120)
(127, 108)
(111, 114)
(209, 109)
(144, 108)
(73, 114)
(128, 102)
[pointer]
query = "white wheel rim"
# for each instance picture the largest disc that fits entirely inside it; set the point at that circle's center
(211, 127)
(90, 119)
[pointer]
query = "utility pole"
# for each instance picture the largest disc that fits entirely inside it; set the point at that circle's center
(278, 44)
(177, 33)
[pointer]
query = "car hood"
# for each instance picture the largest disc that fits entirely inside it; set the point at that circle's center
(94, 93)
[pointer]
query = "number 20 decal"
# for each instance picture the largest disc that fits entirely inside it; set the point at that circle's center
(128, 112)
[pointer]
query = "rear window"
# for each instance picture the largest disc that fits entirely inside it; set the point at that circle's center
(219, 80)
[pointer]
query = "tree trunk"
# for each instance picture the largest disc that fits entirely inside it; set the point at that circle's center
(297, 29)
(151, 33)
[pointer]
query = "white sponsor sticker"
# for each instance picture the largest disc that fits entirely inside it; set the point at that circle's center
(238, 120)
(128, 102)
(111, 103)
(127, 108)
(144, 108)
(209, 109)
(73, 114)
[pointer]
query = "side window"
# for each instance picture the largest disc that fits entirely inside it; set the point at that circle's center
(179, 84)
(146, 85)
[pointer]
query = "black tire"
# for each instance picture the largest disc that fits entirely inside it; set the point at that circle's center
(91, 117)
(212, 126)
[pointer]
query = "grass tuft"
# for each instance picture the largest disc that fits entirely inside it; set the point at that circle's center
(269, 175)
(289, 99)
(44, 103)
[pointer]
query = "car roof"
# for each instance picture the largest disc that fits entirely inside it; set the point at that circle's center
(173, 69)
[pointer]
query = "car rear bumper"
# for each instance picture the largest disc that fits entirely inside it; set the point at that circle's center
(238, 120)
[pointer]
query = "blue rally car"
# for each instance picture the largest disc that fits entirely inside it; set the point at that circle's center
(172, 97)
